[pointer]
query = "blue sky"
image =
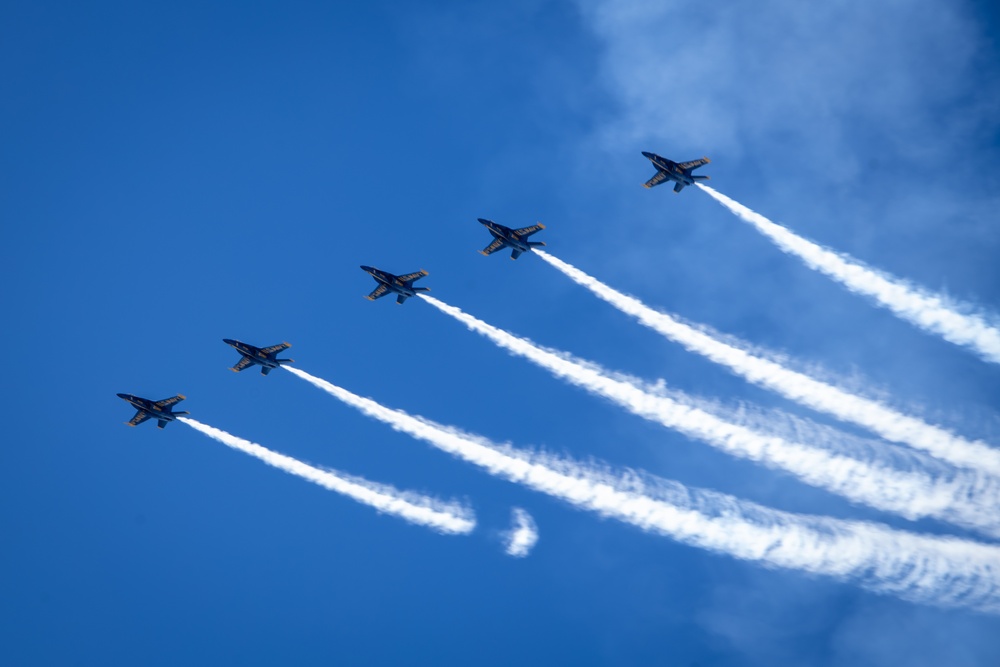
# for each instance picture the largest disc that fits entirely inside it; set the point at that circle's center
(178, 173)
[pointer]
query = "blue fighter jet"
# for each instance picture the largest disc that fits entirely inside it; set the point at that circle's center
(515, 239)
(679, 172)
(157, 409)
(265, 357)
(401, 286)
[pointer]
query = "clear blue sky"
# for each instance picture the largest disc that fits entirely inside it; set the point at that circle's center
(177, 173)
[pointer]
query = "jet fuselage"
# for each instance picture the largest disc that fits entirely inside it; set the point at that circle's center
(253, 352)
(670, 168)
(506, 234)
(149, 407)
(389, 280)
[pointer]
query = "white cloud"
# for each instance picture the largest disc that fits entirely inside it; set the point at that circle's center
(522, 536)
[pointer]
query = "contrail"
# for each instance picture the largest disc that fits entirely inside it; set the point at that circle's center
(522, 536)
(796, 386)
(933, 313)
(922, 568)
(911, 494)
(449, 518)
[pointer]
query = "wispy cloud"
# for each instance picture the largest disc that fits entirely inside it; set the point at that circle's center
(444, 517)
(522, 536)
(921, 568)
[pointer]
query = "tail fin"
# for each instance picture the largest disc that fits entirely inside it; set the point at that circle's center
(161, 423)
(182, 412)
(535, 244)
(698, 177)
(421, 289)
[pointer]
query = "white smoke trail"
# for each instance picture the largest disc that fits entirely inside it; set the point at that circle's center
(912, 494)
(933, 313)
(935, 570)
(796, 386)
(522, 536)
(449, 518)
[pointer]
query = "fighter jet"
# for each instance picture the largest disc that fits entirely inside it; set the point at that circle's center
(401, 286)
(265, 357)
(158, 409)
(679, 172)
(514, 238)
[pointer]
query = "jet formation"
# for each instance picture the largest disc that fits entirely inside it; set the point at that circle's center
(147, 409)
(515, 239)
(265, 357)
(402, 287)
(678, 172)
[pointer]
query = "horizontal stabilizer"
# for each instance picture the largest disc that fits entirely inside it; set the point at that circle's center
(264, 370)
(401, 298)
(515, 253)
(161, 423)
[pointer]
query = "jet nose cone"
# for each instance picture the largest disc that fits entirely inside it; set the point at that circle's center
(229, 341)
(125, 396)
(367, 269)
(647, 154)
(484, 221)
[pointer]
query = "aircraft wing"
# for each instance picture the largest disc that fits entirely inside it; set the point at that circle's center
(528, 231)
(243, 363)
(379, 291)
(140, 417)
(275, 348)
(693, 163)
(167, 402)
(657, 178)
(493, 247)
(412, 276)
